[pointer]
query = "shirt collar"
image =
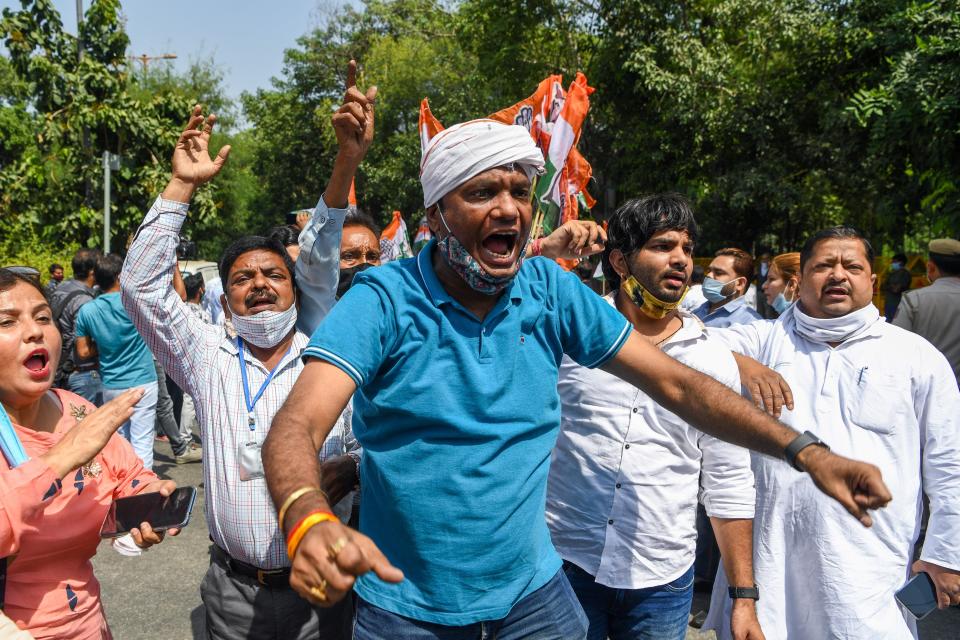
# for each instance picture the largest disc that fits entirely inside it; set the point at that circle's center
(435, 289)
(300, 341)
(691, 329)
(731, 307)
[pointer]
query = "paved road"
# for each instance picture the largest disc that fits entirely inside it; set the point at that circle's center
(156, 596)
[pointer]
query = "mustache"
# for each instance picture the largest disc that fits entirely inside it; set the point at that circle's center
(260, 295)
(836, 285)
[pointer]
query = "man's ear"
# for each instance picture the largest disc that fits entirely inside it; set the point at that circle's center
(224, 306)
(619, 263)
(933, 272)
(433, 219)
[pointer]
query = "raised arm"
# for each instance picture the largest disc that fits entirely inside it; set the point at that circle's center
(318, 268)
(714, 409)
(175, 336)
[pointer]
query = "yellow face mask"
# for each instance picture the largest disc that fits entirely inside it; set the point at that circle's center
(649, 303)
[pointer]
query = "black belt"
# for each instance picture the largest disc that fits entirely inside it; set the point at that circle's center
(83, 368)
(273, 578)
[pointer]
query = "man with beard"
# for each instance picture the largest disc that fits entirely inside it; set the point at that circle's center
(625, 474)
(239, 383)
(453, 356)
(870, 389)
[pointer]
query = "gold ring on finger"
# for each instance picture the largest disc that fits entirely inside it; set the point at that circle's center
(334, 550)
(320, 591)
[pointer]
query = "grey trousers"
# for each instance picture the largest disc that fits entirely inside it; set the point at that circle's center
(239, 608)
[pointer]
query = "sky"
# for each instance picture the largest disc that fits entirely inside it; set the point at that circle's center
(245, 38)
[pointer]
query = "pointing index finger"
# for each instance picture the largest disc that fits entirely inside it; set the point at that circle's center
(351, 74)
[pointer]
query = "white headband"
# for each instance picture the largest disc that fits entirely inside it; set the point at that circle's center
(457, 154)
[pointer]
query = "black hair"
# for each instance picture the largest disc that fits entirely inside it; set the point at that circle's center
(948, 265)
(360, 218)
(54, 267)
(9, 279)
(697, 276)
(84, 261)
(254, 243)
(107, 271)
(637, 220)
(193, 283)
(899, 257)
(840, 232)
(286, 234)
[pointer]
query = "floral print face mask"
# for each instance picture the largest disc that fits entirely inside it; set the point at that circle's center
(467, 267)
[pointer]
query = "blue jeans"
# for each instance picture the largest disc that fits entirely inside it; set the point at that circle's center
(549, 613)
(654, 613)
(138, 430)
(86, 384)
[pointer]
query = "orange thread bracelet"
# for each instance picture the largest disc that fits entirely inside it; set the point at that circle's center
(306, 523)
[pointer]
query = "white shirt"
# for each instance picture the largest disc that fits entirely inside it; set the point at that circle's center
(211, 300)
(203, 359)
(751, 296)
(625, 473)
(694, 298)
(886, 397)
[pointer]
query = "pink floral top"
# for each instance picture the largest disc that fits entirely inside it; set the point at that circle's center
(50, 529)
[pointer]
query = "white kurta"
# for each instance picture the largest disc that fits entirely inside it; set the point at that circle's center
(887, 397)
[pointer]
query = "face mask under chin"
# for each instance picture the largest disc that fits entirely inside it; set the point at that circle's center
(469, 268)
(267, 328)
(649, 304)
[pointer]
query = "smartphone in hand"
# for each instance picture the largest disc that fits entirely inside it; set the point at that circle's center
(918, 596)
(161, 512)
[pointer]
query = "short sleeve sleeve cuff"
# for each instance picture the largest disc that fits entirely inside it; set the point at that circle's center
(614, 348)
(314, 351)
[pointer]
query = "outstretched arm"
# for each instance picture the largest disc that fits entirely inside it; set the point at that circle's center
(299, 429)
(714, 409)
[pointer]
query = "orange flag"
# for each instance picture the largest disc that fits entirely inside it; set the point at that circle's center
(429, 126)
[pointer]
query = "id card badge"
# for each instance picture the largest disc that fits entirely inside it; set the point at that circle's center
(248, 454)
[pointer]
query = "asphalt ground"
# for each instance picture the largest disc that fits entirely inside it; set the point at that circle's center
(157, 596)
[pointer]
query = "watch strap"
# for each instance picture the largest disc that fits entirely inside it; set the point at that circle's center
(747, 593)
(798, 444)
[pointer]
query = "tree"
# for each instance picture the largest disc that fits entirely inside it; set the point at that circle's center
(50, 171)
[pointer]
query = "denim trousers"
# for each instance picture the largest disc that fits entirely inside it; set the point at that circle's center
(654, 613)
(549, 613)
(86, 384)
(138, 430)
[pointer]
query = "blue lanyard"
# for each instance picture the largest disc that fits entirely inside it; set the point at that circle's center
(246, 390)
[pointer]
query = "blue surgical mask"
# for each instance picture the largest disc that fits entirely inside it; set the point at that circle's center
(780, 303)
(895, 266)
(713, 289)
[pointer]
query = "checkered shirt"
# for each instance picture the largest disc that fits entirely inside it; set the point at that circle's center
(203, 360)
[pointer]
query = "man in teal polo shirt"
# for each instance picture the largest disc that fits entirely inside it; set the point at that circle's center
(453, 356)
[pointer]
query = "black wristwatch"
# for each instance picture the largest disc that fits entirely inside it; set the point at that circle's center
(800, 443)
(746, 593)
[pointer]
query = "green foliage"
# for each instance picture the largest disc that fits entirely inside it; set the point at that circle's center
(775, 116)
(60, 112)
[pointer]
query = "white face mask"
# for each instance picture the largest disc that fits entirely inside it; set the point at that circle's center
(828, 330)
(267, 328)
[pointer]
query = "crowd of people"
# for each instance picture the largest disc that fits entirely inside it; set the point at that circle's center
(470, 443)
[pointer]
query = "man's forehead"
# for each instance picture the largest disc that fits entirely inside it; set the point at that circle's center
(833, 249)
(511, 172)
(674, 235)
(258, 259)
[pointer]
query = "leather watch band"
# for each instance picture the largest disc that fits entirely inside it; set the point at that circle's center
(749, 593)
(800, 443)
